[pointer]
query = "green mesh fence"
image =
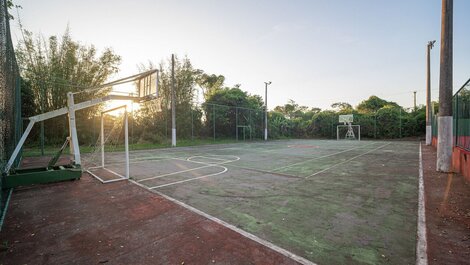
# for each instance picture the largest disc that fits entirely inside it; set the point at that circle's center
(196, 123)
(434, 123)
(461, 106)
(209, 122)
(10, 96)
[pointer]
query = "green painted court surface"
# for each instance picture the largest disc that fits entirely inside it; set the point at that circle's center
(331, 202)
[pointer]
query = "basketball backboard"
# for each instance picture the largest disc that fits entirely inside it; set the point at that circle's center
(348, 118)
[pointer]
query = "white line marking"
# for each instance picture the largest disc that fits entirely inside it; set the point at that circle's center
(210, 156)
(173, 173)
(421, 244)
(191, 169)
(315, 158)
(258, 240)
(335, 165)
(102, 180)
(191, 179)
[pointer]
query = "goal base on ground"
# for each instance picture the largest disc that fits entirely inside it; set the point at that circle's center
(105, 175)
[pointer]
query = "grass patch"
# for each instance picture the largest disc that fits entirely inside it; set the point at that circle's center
(50, 150)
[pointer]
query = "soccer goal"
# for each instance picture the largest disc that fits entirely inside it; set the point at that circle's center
(138, 88)
(109, 160)
(348, 131)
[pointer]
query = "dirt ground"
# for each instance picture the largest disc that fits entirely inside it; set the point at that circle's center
(86, 222)
(447, 213)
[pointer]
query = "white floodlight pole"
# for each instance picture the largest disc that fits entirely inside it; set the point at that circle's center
(428, 92)
(266, 110)
(73, 129)
(444, 120)
(126, 141)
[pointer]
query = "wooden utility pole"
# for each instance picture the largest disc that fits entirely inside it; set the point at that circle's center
(173, 105)
(428, 92)
(444, 140)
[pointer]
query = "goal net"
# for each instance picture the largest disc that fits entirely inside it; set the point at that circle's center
(348, 132)
(109, 157)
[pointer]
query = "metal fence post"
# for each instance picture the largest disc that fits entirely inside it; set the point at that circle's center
(213, 119)
(236, 123)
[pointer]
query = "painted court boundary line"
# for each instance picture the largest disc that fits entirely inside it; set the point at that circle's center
(244, 233)
(421, 244)
(191, 179)
(335, 165)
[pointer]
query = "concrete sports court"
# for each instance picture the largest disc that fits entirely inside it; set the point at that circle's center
(325, 201)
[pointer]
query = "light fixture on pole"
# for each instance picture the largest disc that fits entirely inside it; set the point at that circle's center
(266, 110)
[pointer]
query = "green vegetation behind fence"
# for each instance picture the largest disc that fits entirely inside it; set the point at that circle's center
(10, 95)
(461, 107)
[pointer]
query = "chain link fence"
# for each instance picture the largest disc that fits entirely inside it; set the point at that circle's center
(196, 124)
(461, 118)
(10, 95)
(461, 105)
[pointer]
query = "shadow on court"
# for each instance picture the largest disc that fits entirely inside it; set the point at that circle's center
(86, 222)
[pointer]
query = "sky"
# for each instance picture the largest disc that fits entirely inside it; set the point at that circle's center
(315, 52)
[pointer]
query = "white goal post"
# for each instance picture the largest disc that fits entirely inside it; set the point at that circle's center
(339, 135)
(347, 120)
(102, 142)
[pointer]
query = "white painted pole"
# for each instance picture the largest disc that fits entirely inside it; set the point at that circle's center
(19, 146)
(73, 129)
(102, 140)
(428, 92)
(126, 141)
(266, 110)
(444, 134)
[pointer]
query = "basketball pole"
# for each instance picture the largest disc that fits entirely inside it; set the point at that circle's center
(444, 125)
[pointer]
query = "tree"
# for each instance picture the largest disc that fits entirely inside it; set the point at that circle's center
(342, 106)
(155, 117)
(210, 83)
(54, 66)
(373, 104)
(293, 110)
(28, 106)
(227, 106)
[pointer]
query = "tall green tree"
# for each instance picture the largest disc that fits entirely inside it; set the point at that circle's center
(57, 65)
(210, 83)
(51, 67)
(373, 104)
(228, 107)
(155, 116)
